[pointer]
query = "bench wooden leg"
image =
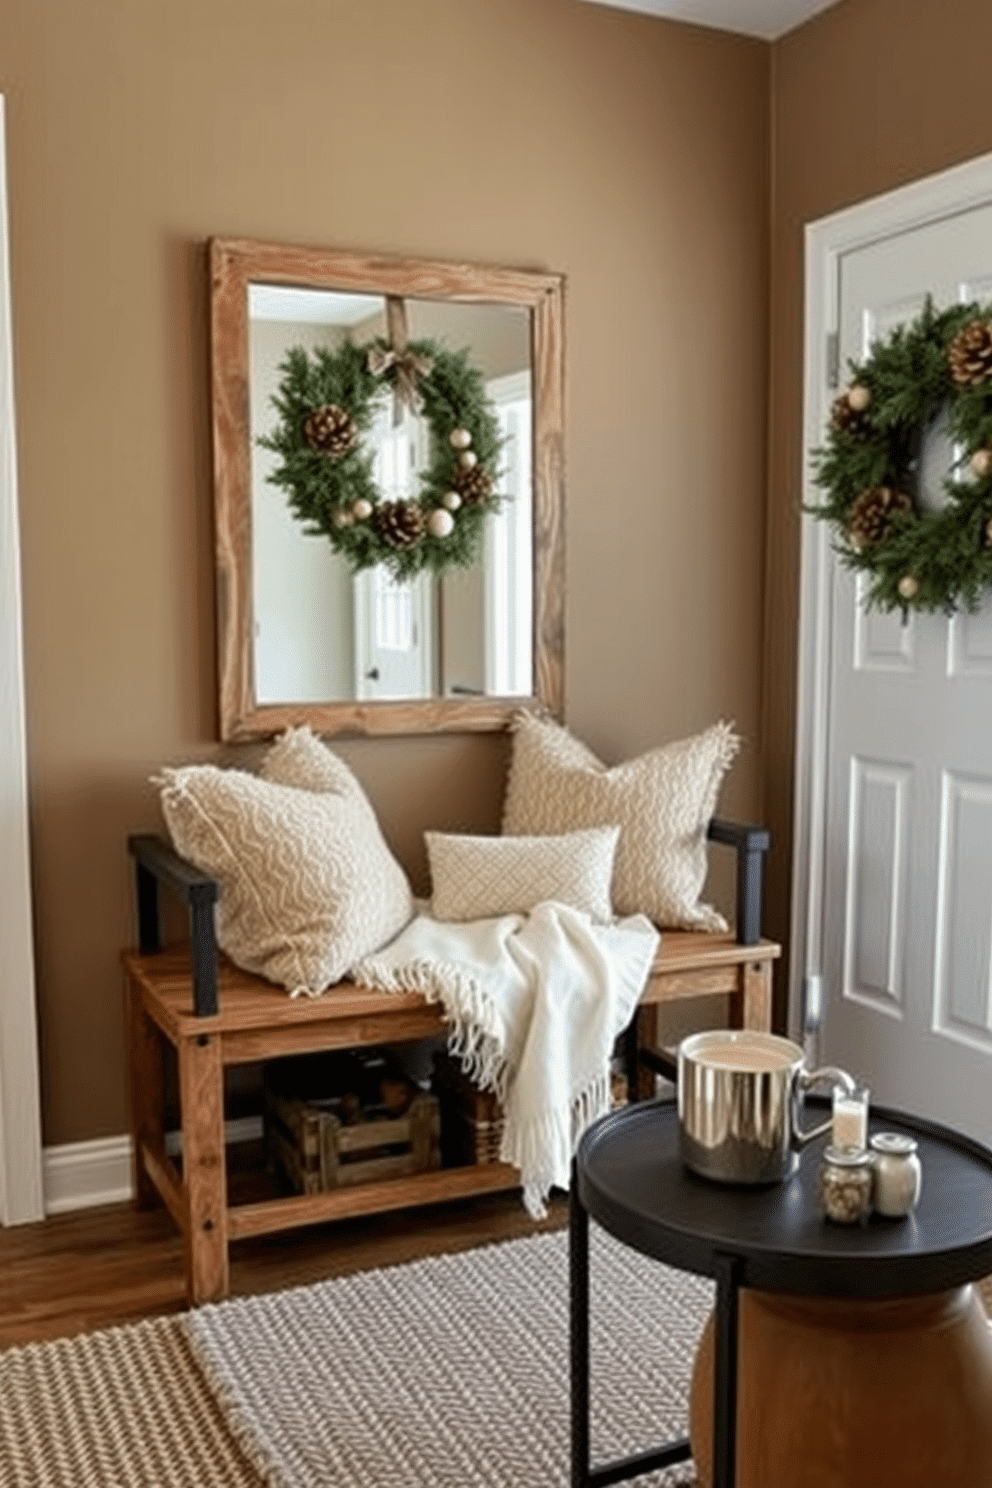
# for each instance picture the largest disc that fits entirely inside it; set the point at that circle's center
(756, 996)
(647, 1036)
(201, 1094)
(147, 1082)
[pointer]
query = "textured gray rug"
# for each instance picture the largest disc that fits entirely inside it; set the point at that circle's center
(453, 1372)
(447, 1373)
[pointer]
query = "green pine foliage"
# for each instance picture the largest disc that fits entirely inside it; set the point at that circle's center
(321, 490)
(909, 379)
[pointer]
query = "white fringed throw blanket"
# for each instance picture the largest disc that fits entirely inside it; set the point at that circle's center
(535, 1003)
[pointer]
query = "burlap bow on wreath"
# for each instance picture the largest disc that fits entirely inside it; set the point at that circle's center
(408, 367)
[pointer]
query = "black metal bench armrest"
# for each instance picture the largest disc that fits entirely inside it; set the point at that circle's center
(155, 863)
(750, 844)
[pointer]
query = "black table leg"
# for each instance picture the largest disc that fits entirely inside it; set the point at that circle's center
(578, 1262)
(583, 1474)
(725, 1372)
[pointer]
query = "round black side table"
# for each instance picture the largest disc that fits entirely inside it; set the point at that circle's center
(628, 1175)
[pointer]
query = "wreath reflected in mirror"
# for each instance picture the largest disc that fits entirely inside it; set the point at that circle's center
(328, 401)
(935, 372)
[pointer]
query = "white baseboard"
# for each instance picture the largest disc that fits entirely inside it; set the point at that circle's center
(81, 1175)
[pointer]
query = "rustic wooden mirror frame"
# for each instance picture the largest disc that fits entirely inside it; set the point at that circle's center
(234, 265)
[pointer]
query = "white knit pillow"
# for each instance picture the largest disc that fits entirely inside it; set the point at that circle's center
(662, 801)
(478, 878)
(307, 884)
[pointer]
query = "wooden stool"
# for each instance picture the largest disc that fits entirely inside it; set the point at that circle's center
(868, 1394)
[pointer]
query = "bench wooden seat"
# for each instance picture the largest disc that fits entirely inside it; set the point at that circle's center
(256, 1021)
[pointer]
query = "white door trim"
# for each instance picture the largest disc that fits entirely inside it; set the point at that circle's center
(21, 1193)
(922, 202)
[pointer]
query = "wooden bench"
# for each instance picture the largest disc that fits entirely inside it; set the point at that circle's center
(215, 1015)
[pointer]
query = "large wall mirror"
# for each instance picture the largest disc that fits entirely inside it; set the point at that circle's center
(302, 636)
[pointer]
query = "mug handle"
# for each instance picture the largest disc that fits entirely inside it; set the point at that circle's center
(804, 1080)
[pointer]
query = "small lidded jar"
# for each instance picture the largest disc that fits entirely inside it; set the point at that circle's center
(845, 1184)
(898, 1174)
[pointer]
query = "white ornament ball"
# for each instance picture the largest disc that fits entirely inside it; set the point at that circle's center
(460, 439)
(452, 500)
(467, 459)
(859, 397)
(440, 522)
(909, 587)
(343, 519)
(981, 463)
(361, 510)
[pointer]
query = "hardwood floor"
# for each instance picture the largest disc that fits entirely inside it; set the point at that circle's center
(97, 1268)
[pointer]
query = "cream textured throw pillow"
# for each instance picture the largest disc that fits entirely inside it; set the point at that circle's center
(299, 758)
(307, 884)
(478, 878)
(662, 802)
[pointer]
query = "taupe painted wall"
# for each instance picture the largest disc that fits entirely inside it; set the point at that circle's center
(628, 153)
(866, 97)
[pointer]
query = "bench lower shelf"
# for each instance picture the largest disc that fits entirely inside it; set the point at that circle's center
(256, 1021)
(370, 1198)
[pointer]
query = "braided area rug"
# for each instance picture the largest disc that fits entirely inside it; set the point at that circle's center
(453, 1372)
(125, 1408)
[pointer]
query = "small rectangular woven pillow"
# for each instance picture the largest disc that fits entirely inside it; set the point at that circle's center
(479, 878)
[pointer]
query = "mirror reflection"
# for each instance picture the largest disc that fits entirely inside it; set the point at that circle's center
(321, 633)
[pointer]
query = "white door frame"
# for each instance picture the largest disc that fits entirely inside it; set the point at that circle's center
(21, 1197)
(922, 202)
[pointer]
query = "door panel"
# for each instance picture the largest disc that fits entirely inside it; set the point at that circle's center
(877, 878)
(908, 860)
(962, 990)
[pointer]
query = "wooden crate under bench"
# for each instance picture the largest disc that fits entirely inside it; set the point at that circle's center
(323, 1132)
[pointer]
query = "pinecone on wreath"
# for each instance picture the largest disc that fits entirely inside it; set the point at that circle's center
(872, 514)
(473, 485)
(331, 430)
(970, 354)
(848, 420)
(400, 523)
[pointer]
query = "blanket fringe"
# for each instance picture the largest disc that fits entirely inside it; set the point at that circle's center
(473, 1038)
(542, 1148)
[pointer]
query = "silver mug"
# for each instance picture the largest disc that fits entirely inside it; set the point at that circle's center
(739, 1101)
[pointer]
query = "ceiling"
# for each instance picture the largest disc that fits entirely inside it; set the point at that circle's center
(765, 18)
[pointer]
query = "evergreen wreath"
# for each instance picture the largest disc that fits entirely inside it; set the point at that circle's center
(869, 463)
(327, 401)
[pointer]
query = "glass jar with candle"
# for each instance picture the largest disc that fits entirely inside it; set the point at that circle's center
(850, 1118)
(845, 1184)
(898, 1174)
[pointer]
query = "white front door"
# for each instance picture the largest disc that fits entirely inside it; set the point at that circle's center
(907, 859)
